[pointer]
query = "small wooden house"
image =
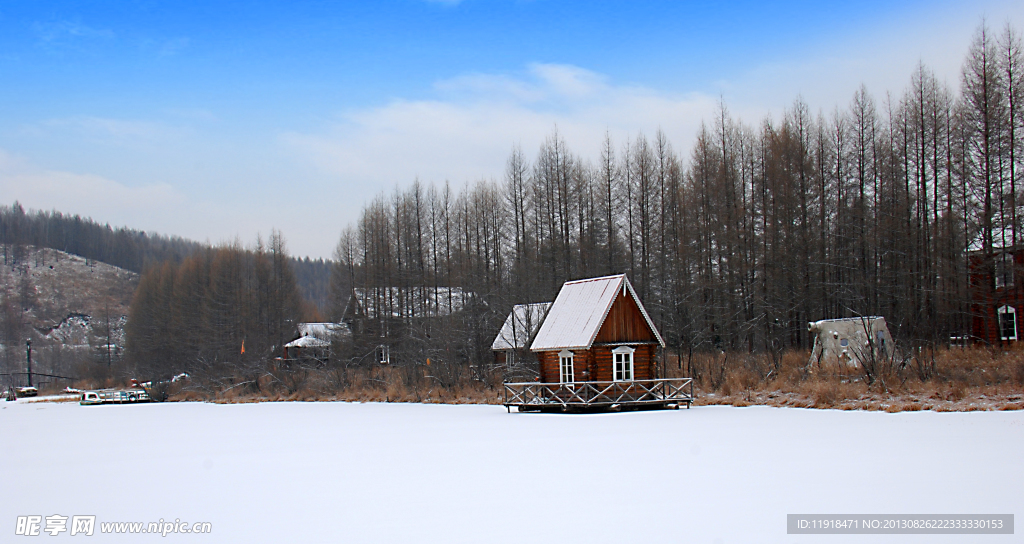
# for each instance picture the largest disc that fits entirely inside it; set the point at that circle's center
(597, 350)
(597, 330)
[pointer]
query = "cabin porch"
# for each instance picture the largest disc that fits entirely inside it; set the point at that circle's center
(593, 396)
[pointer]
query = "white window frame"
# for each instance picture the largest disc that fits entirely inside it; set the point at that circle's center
(1012, 312)
(565, 367)
(383, 354)
(623, 355)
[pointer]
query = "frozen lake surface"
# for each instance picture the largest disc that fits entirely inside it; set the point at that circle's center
(412, 473)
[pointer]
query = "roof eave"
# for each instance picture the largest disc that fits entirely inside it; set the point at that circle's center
(559, 348)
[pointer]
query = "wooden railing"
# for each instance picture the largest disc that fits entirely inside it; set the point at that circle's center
(608, 395)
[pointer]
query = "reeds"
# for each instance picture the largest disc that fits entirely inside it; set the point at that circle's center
(926, 379)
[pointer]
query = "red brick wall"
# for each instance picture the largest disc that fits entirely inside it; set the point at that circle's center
(986, 299)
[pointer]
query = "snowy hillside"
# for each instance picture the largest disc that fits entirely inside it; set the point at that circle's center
(63, 302)
(402, 473)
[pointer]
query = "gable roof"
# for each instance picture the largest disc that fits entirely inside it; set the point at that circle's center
(580, 309)
(520, 326)
(308, 342)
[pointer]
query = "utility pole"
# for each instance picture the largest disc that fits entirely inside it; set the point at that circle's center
(28, 353)
(107, 315)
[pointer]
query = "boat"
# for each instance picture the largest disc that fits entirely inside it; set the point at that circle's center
(114, 396)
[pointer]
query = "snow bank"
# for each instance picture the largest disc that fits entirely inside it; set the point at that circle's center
(404, 473)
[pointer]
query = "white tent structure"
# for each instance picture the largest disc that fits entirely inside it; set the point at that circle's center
(850, 341)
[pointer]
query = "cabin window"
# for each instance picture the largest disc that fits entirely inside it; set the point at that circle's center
(510, 358)
(1004, 270)
(565, 372)
(383, 355)
(622, 363)
(1007, 323)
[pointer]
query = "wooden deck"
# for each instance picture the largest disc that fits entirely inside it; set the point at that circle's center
(594, 396)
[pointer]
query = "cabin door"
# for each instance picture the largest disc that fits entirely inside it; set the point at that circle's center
(565, 367)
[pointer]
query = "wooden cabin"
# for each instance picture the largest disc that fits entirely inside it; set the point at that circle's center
(597, 330)
(597, 349)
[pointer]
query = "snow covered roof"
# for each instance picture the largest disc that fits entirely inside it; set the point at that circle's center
(857, 320)
(318, 335)
(377, 302)
(520, 325)
(580, 309)
(308, 342)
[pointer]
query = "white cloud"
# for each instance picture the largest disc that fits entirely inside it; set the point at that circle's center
(882, 57)
(65, 31)
(468, 132)
(84, 194)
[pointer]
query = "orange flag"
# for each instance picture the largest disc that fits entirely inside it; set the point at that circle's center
(243, 346)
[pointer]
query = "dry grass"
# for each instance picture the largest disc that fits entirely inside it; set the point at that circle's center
(940, 380)
(366, 384)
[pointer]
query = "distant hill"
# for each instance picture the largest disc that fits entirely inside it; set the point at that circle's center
(125, 248)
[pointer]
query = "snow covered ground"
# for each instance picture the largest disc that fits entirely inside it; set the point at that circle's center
(409, 473)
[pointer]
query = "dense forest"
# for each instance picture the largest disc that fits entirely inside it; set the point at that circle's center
(872, 208)
(219, 311)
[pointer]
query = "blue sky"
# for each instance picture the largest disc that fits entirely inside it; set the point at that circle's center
(219, 120)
